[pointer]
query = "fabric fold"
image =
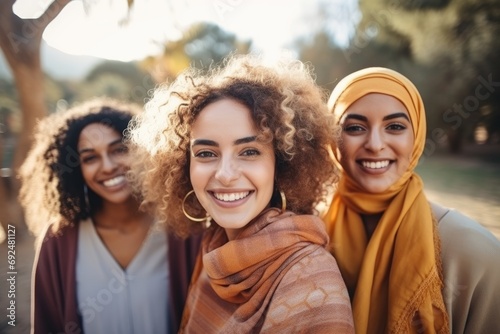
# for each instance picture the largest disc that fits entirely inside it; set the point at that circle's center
(236, 290)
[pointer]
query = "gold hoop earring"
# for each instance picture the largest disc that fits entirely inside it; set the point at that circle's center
(283, 201)
(204, 219)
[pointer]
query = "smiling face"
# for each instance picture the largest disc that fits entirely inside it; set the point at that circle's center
(232, 173)
(103, 159)
(376, 142)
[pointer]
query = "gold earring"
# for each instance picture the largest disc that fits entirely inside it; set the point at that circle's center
(206, 218)
(283, 201)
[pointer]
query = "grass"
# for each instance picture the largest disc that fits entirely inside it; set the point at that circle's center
(469, 183)
(452, 175)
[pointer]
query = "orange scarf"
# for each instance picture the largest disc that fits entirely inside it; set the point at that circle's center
(395, 278)
(239, 282)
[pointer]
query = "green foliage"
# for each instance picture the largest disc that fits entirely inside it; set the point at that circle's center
(201, 46)
(207, 44)
(122, 80)
(448, 48)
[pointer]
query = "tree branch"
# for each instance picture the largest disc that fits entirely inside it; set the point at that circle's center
(50, 13)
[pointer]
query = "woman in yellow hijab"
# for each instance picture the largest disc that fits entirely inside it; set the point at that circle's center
(410, 266)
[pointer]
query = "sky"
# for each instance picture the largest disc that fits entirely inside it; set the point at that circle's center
(97, 29)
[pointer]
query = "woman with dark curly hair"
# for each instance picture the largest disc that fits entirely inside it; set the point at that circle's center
(241, 153)
(102, 264)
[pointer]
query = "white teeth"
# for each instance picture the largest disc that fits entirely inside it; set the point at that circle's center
(375, 165)
(231, 197)
(114, 181)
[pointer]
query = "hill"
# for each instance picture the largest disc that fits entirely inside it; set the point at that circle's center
(57, 64)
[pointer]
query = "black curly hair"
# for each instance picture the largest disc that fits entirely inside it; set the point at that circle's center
(52, 185)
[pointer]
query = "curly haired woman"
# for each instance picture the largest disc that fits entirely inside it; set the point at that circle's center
(101, 263)
(243, 150)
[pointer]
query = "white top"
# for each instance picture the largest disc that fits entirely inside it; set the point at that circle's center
(112, 300)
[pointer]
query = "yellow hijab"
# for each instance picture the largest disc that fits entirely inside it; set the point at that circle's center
(395, 278)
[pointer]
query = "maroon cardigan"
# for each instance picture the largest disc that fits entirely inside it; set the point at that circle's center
(54, 303)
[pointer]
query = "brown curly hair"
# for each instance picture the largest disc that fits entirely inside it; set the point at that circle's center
(287, 107)
(51, 178)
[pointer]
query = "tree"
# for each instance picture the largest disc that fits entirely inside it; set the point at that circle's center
(202, 45)
(125, 81)
(328, 59)
(459, 38)
(20, 42)
(207, 44)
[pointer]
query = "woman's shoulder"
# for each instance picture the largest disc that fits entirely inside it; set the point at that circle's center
(55, 249)
(57, 237)
(463, 237)
(470, 256)
(452, 221)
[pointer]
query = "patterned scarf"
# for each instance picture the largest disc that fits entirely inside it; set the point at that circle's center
(395, 278)
(234, 290)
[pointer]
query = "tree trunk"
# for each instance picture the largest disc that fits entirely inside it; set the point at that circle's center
(455, 141)
(20, 41)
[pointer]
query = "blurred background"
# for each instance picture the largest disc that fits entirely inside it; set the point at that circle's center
(56, 53)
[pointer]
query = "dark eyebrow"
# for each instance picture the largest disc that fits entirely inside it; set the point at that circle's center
(356, 116)
(245, 140)
(207, 142)
(204, 142)
(85, 150)
(118, 141)
(386, 118)
(396, 115)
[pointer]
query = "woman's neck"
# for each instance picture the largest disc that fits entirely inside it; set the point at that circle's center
(370, 222)
(119, 216)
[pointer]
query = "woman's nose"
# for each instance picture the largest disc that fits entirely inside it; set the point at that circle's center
(375, 141)
(108, 163)
(227, 171)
